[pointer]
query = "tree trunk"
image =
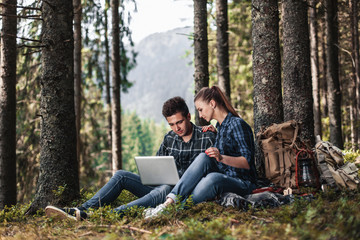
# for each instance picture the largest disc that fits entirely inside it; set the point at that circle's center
(314, 60)
(333, 83)
(268, 107)
(59, 180)
(77, 75)
(297, 98)
(201, 54)
(354, 97)
(323, 70)
(8, 105)
(107, 82)
(222, 46)
(115, 73)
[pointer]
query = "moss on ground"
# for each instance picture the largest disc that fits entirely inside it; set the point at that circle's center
(334, 215)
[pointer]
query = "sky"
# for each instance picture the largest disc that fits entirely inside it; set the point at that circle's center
(159, 16)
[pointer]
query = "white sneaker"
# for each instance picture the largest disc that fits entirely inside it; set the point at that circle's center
(154, 212)
(147, 212)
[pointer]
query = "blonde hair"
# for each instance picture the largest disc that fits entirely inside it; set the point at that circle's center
(214, 93)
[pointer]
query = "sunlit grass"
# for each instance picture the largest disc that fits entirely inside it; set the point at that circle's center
(332, 215)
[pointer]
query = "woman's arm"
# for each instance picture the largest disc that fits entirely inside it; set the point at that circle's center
(238, 162)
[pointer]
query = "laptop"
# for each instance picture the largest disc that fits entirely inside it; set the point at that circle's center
(157, 170)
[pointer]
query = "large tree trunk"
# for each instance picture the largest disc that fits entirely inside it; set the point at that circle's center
(354, 89)
(8, 105)
(77, 75)
(222, 46)
(297, 99)
(59, 180)
(268, 107)
(115, 73)
(107, 82)
(314, 60)
(333, 83)
(201, 54)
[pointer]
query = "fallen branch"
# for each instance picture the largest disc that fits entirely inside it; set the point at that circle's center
(263, 219)
(86, 234)
(123, 227)
(136, 229)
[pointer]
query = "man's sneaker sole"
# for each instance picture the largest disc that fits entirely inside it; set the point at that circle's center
(58, 214)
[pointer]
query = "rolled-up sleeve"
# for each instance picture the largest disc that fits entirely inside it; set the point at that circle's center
(241, 140)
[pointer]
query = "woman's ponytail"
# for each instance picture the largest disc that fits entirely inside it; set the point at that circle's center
(225, 101)
(215, 93)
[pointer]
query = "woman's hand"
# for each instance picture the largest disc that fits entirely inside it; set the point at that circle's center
(214, 152)
(209, 128)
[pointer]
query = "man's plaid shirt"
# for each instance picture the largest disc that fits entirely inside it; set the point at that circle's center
(186, 152)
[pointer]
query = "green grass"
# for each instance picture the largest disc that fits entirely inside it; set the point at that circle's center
(332, 215)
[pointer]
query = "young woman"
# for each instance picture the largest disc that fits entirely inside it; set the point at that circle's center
(228, 166)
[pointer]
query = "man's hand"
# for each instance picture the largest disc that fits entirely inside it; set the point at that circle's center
(214, 152)
(209, 128)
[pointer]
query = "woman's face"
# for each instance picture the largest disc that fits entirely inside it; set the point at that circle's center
(205, 109)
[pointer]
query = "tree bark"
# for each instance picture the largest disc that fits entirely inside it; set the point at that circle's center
(77, 75)
(8, 105)
(332, 74)
(115, 73)
(297, 98)
(222, 46)
(355, 80)
(201, 54)
(268, 107)
(323, 70)
(314, 60)
(107, 81)
(59, 180)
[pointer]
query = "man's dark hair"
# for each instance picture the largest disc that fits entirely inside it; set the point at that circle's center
(175, 105)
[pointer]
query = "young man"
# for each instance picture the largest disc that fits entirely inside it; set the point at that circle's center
(184, 142)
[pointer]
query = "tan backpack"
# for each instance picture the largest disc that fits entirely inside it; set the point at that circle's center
(333, 171)
(278, 142)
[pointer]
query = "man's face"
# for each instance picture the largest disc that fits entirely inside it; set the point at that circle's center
(179, 124)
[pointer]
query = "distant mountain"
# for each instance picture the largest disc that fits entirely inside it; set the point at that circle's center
(162, 72)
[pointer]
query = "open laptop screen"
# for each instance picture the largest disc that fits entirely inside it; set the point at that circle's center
(157, 170)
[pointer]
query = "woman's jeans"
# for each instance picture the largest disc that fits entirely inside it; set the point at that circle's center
(147, 196)
(204, 181)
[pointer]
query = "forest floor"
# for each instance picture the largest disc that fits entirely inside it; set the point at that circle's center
(331, 215)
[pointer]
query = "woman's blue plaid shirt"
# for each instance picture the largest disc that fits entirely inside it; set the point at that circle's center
(235, 138)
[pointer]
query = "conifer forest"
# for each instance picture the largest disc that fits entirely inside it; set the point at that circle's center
(64, 65)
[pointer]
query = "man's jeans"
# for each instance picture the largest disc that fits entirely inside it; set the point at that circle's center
(147, 196)
(204, 181)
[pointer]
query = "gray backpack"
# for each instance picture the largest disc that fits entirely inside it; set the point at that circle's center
(333, 171)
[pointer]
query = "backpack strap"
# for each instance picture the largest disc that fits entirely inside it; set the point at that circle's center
(296, 132)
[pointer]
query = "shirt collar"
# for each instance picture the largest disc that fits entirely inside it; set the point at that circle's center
(177, 137)
(226, 120)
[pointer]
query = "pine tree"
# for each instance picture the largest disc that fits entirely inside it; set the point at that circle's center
(8, 105)
(201, 55)
(297, 96)
(59, 180)
(222, 46)
(332, 74)
(266, 69)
